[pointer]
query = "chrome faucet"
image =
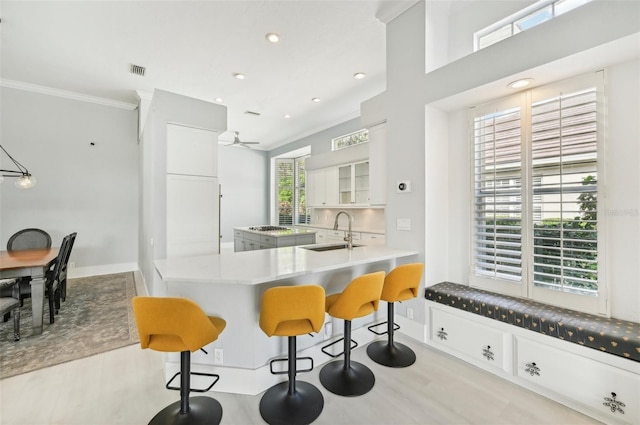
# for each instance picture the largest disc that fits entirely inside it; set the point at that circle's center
(349, 236)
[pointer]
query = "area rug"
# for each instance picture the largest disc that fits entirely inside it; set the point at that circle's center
(96, 317)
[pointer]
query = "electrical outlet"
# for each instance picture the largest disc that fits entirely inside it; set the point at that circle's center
(409, 313)
(217, 356)
(72, 265)
(328, 330)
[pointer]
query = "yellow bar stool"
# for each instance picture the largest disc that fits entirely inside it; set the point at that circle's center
(291, 311)
(180, 325)
(360, 298)
(401, 284)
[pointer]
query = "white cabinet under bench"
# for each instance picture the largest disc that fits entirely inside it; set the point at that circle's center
(598, 376)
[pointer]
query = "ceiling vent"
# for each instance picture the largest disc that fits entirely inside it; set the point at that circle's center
(255, 114)
(138, 70)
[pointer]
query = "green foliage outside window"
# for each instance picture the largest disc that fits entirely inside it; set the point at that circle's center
(571, 244)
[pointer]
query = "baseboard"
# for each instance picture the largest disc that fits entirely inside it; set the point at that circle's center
(411, 328)
(102, 270)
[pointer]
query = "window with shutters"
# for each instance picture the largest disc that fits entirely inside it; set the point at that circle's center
(536, 183)
(291, 192)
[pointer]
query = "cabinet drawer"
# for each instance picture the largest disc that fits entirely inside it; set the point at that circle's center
(335, 235)
(268, 241)
(475, 341)
(373, 239)
(252, 237)
(237, 233)
(305, 239)
(610, 391)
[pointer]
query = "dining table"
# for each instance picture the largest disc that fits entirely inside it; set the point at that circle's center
(32, 263)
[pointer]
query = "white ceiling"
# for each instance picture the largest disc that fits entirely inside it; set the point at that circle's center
(193, 48)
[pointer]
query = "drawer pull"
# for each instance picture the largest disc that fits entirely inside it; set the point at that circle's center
(532, 369)
(442, 334)
(613, 404)
(486, 351)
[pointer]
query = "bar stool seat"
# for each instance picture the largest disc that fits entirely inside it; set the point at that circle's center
(291, 311)
(360, 298)
(401, 284)
(179, 325)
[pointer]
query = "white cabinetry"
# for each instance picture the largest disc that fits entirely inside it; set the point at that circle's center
(353, 183)
(249, 241)
(191, 151)
(322, 187)
(601, 385)
(378, 164)
(474, 341)
(373, 239)
(612, 392)
(193, 199)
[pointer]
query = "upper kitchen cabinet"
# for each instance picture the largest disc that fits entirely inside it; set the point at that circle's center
(353, 184)
(192, 151)
(322, 187)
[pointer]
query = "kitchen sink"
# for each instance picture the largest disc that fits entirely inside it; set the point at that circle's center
(323, 248)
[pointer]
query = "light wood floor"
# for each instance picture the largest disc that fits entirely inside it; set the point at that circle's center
(125, 386)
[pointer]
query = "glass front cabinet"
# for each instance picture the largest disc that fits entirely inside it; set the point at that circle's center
(353, 183)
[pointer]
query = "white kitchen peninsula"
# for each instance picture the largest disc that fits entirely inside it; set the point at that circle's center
(230, 285)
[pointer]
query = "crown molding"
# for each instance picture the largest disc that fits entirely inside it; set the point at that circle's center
(390, 10)
(19, 85)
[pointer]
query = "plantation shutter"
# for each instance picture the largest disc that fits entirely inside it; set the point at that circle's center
(565, 175)
(285, 178)
(498, 195)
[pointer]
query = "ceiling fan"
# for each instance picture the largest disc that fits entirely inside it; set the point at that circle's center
(238, 142)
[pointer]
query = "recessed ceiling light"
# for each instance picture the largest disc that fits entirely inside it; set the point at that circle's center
(272, 37)
(316, 99)
(238, 75)
(518, 84)
(359, 75)
(287, 116)
(218, 99)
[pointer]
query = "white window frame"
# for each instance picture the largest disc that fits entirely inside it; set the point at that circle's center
(592, 304)
(510, 21)
(295, 213)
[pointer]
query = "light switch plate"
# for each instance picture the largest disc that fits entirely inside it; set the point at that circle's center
(403, 224)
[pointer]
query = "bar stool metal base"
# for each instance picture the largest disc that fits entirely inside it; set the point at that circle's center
(392, 355)
(202, 411)
(355, 380)
(278, 406)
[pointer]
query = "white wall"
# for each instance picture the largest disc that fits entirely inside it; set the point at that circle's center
(622, 179)
(468, 17)
(92, 190)
(243, 175)
(410, 149)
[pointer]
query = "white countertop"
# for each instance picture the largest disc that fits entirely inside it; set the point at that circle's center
(267, 265)
(278, 233)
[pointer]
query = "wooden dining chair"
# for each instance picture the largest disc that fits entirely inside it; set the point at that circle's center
(63, 268)
(30, 238)
(11, 304)
(52, 283)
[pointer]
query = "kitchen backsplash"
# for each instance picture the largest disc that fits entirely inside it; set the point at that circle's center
(364, 219)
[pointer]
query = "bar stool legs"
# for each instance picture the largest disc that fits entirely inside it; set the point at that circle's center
(390, 353)
(189, 410)
(347, 378)
(292, 402)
